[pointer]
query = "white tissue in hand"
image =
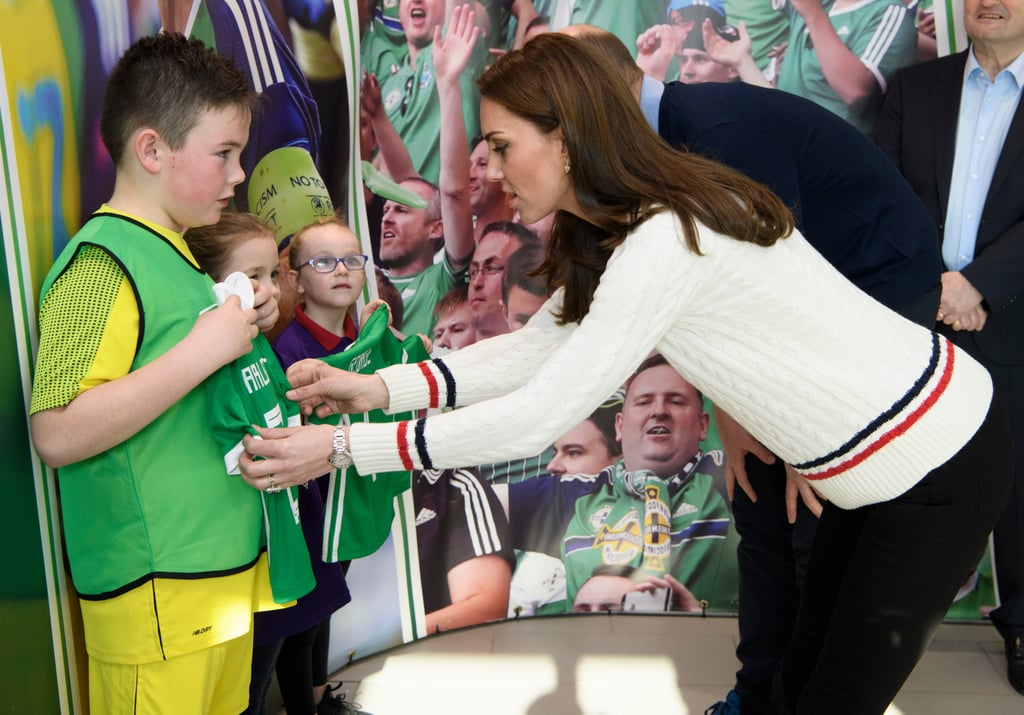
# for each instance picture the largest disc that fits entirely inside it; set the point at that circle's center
(238, 284)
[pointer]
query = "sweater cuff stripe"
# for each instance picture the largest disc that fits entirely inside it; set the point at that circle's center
(428, 375)
(903, 426)
(403, 445)
(421, 444)
(449, 381)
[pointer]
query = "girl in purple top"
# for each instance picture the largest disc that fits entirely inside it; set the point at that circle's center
(327, 272)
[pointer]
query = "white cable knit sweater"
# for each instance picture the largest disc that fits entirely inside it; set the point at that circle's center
(860, 400)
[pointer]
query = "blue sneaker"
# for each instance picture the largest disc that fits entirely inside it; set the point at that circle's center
(729, 706)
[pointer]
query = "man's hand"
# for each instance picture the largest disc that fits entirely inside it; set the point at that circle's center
(735, 55)
(331, 391)
(926, 22)
(655, 48)
(797, 484)
(737, 444)
(730, 54)
(778, 51)
(960, 303)
(453, 51)
(491, 319)
(807, 7)
(428, 344)
(369, 95)
(683, 599)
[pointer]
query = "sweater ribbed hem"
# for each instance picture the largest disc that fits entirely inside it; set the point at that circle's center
(917, 439)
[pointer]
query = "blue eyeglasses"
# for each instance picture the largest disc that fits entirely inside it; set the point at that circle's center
(327, 264)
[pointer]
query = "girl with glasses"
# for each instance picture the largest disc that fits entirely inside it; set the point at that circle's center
(328, 271)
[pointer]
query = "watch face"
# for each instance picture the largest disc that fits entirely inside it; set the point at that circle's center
(340, 460)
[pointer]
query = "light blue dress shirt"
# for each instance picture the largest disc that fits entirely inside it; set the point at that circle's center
(986, 109)
(650, 100)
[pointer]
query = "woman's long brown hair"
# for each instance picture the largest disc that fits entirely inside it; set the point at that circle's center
(622, 171)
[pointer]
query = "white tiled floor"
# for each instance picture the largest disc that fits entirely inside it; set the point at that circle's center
(629, 664)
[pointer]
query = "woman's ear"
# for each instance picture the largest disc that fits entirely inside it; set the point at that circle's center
(566, 161)
(561, 143)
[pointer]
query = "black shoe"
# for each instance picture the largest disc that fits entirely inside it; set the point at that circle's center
(331, 704)
(1015, 663)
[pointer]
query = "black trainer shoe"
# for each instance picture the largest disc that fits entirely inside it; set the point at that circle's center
(331, 704)
(1015, 663)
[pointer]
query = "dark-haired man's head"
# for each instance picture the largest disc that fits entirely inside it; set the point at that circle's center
(487, 274)
(588, 447)
(662, 421)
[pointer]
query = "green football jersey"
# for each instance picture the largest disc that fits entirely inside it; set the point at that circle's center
(414, 108)
(360, 508)
(881, 33)
(420, 293)
(250, 391)
(681, 526)
(766, 23)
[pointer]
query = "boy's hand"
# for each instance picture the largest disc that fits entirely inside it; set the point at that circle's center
(225, 333)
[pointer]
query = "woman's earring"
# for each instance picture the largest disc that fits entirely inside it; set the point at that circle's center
(568, 167)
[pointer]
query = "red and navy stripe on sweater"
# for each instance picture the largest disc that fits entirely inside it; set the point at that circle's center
(895, 421)
(440, 386)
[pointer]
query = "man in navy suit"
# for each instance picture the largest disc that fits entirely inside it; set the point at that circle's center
(854, 208)
(955, 128)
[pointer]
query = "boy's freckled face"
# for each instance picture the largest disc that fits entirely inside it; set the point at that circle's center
(198, 179)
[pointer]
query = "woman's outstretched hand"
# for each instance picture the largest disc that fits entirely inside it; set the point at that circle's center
(324, 390)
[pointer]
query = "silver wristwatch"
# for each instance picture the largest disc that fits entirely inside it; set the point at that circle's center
(341, 457)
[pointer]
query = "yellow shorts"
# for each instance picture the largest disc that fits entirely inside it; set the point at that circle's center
(211, 681)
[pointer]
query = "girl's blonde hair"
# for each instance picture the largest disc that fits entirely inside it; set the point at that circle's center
(298, 236)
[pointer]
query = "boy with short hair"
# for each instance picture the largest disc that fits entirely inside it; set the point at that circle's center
(164, 546)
